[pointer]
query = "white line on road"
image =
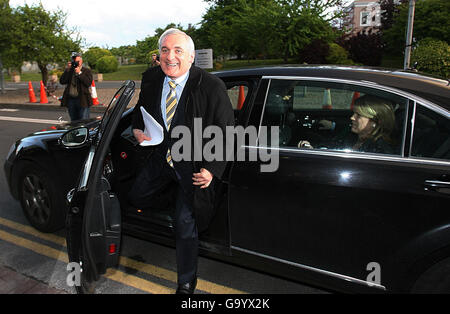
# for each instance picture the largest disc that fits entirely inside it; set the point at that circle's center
(18, 119)
(9, 110)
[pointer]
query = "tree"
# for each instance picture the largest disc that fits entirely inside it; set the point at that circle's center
(216, 28)
(125, 52)
(144, 46)
(316, 52)
(107, 64)
(365, 48)
(266, 27)
(256, 29)
(338, 55)
(389, 9)
(430, 20)
(94, 54)
(42, 36)
(302, 21)
(8, 49)
(433, 57)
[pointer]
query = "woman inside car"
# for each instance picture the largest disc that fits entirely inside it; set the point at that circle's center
(372, 123)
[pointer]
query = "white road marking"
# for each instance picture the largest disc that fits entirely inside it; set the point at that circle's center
(9, 110)
(18, 119)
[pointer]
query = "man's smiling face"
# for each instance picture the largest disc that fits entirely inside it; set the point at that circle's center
(175, 57)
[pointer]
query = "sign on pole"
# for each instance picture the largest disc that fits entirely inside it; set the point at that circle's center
(204, 58)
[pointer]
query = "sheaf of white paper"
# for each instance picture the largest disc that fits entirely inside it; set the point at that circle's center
(153, 129)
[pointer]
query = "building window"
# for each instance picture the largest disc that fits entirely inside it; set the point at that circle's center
(365, 18)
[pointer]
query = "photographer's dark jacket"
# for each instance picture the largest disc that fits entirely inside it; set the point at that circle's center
(84, 82)
(204, 96)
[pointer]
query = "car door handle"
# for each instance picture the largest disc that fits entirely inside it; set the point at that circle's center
(70, 195)
(437, 186)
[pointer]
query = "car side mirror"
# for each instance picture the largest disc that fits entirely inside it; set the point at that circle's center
(75, 137)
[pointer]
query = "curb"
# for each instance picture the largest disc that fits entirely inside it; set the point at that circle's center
(13, 282)
(38, 106)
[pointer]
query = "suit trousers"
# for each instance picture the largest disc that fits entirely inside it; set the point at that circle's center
(156, 175)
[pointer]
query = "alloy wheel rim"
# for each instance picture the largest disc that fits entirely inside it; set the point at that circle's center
(36, 198)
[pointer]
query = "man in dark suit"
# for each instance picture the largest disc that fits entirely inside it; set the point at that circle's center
(178, 94)
(77, 96)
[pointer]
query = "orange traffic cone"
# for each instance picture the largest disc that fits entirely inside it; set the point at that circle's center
(31, 92)
(355, 96)
(95, 101)
(326, 104)
(241, 97)
(44, 99)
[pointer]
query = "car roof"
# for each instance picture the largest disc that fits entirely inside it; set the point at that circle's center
(433, 89)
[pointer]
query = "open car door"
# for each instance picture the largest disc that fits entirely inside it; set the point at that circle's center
(94, 216)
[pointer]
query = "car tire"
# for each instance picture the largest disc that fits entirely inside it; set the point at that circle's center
(435, 280)
(42, 202)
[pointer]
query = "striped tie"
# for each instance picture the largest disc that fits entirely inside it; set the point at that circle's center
(171, 106)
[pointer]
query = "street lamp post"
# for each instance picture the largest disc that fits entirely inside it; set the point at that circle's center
(409, 34)
(2, 78)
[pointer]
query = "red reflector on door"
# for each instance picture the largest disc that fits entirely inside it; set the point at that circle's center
(112, 248)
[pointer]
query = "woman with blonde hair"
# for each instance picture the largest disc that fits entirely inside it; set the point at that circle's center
(373, 120)
(372, 124)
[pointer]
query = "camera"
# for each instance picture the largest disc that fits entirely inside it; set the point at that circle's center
(75, 64)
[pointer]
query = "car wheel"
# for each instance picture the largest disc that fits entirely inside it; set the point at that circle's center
(435, 280)
(41, 201)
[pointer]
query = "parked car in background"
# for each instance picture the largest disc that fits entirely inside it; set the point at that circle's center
(343, 217)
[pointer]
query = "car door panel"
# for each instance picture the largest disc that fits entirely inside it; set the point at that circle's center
(338, 212)
(94, 217)
(336, 216)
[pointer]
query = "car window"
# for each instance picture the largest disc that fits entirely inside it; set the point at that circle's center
(237, 94)
(335, 116)
(431, 135)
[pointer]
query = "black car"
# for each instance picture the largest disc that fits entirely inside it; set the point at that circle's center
(345, 217)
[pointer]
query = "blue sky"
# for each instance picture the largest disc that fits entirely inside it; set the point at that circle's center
(113, 23)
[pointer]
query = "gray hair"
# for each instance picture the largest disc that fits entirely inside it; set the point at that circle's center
(172, 31)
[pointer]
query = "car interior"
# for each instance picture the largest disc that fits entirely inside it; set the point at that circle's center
(431, 137)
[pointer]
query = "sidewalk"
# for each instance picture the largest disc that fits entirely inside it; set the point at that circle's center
(12, 282)
(19, 99)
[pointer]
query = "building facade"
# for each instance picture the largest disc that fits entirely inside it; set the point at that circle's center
(363, 16)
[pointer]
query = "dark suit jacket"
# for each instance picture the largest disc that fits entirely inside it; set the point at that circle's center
(85, 81)
(205, 97)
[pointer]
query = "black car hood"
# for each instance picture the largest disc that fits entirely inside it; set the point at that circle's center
(61, 128)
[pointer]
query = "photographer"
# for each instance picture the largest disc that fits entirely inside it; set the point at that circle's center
(77, 96)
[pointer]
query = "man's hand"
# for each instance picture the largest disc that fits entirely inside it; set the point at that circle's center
(78, 69)
(140, 136)
(203, 178)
